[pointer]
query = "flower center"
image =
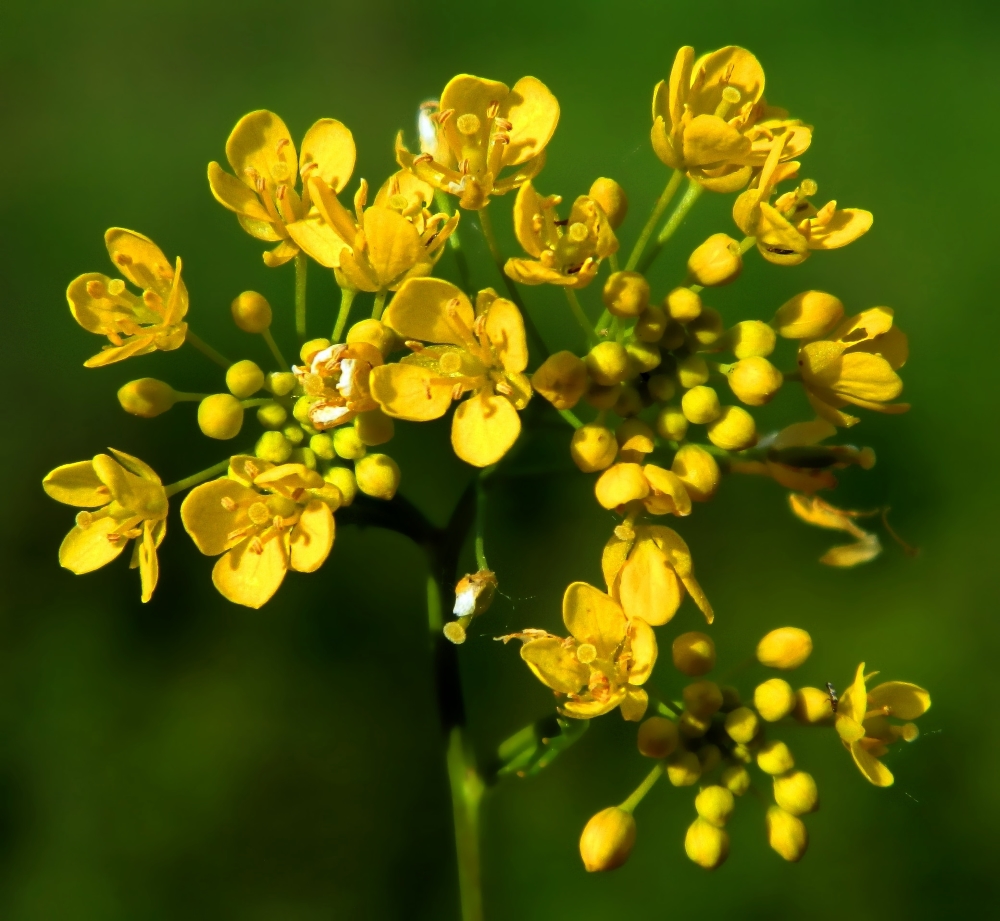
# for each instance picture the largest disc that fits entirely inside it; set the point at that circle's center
(468, 124)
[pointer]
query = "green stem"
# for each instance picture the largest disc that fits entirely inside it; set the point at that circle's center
(570, 417)
(202, 346)
(466, 795)
(301, 274)
(189, 397)
(613, 262)
(347, 296)
(275, 351)
(379, 305)
(455, 243)
(654, 218)
(691, 195)
(256, 401)
(643, 788)
(481, 516)
(197, 478)
(579, 315)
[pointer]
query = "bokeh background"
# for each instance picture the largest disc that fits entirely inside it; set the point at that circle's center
(188, 758)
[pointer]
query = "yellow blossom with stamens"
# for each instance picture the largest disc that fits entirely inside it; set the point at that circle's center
(482, 352)
(856, 364)
(134, 324)
(338, 377)
(128, 502)
(604, 661)
(483, 128)
(863, 725)
(566, 253)
(261, 520)
(262, 193)
(813, 510)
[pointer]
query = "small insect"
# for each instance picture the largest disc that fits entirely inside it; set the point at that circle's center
(833, 696)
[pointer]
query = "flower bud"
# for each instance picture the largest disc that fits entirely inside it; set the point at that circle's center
(281, 383)
(294, 434)
(736, 779)
(661, 387)
(626, 294)
(644, 356)
(693, 727)
(715, 805)
(635, 435)
(311, 347)
(693, 653)
(348, 444)
(775, 758)
(702, 698)
(786, 834)
(374, 427)
(786, 648)
(683, 768)
(593, 447)
(272, 415)
(612, 199)
(705, 844)
(561, 379)
(808, 315)
(701, 405)
(244, 378)
(692, 371)
(698, 471)
(709, 757)
(730, 698)
(682, 304)
(251, 312)
(304, 456)
(742, 724)
(796, 792)
(716, 262)
(674, 336)
(750, 338)
(620, 484)
(651, 326)
(146, 397)
(671, 424)
(733, 430)
(813, 707)
(774, 699)
(629, 402)
(220, 416)
(343, 478)
(377, 475)
(658, 737)
(707, 328)
(607, 839)
(608, 363)
(754, 380)
(375, 333)
(322, 446)
(300, 411)
(274, 447)
(601, 397)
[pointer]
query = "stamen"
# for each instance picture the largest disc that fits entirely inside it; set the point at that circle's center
(228, 504)
(414, 346)
(96, 288)
(256, 546)
(492, 109)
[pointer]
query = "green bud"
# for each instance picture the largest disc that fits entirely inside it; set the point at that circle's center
(683, 304)
(347, 443)
(626, 294)
(736, 779)
(281, 383)
(302, 406)
(742, 725)
(629, 402)
(294, 433)
(775, 758)
(796, 792)
(608, 363)
(715, 805)
(272, 415)
(274, 447)
(220, 416)
(593, 447)
(693, 653)
(375, 333)
(786, 834)
(706, 330)
(671, 424)
(146, 397)
(304, 456)
(644, 356)
(244, 379)
(661, 387)
(716, 262)
(683, 768)
(311, 347)
(612, 199)
(601, 397)
(706, 844)
(322, 446)
(343, 478)
(733, 430)
(651, 326)
(658, 737)
(692, 371)
(607, 839)
(754, 380)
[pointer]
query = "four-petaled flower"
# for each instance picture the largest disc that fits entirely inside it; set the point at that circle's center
(339, 375)
(562, 252)
(128, 502)
(483, 128)
(262, 193)
(134, 324)
(483, 353)
(264, 520)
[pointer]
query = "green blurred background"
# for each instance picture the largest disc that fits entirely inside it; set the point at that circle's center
(188, 758)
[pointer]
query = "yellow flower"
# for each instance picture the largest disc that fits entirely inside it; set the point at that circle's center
(863, 725)
(483, 353)
(856, 364)
(262, 193)
(710, 119)
(484, 127)
(787, 231)
(813, 510)
(129, 502)
(339, 376)
(661, 491)
(378, 248)
(601, 664)
(135, 325)
(566, 252)
(647, 570)
(264, 520)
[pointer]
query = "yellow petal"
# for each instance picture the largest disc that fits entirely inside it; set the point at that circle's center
(527, 206)
(619, 484)
(235, 195)
(594, 617)
(484, 429)
(532, 272)
(86, 549)
(261, 230)
(149, 565)
(649, 587)
(330, 145)
(845, 227)
(76, 484)
(138, 495)
(393, 245)
(212, 528)
(892, 345)
(505, 330)
(260, 143)
(616, 552)
(288, 479)
(900, 699)
(813, 510)
(847, 555)
(850, 730)
(466, 94)
(249, 578)
(642, 641)
(778, 241)
(708, 139)
(534, 113)
(137, 345)
(133, 465)
(318, 239)
(669, 493)
(555, 665)
(312, 537)
(589, 709)
(140, 260)
(857, 374)
(874, 770)
(669, 98)
(803, 434)
(729, 66)
(864, 327)
(408, 391)
(634, 705)
(827, 405)
(420, 310)
(854, 701)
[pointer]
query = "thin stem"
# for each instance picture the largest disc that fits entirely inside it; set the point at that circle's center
(256, 401)
(579, 315)
(570, 417)
(601, 326)
(481, 517)
(197, 478)
(668, 193)
(347, 296)
(275, 351)
(379, 305)
(613, 262)
(189, 397)
(455, 242)
(301, 273)
(643, 788)
(691, 195)
(466, 795)
(202, 346)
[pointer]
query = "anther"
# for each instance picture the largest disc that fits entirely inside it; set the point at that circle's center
(493, 109)
(96, 288)
(256, 546)
(504, 388)
(423, 158)
(414, 346)
(464, 167)
(123, 259)
(228, 504)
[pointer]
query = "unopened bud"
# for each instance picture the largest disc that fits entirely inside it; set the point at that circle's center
(621, 484)
(300, 411)
(796, 792)
(294, 434)
(272, 415)
(608, 363)
(661, 387)
(692, 371)
(644, 356)
(304, 456)
(786, 648)
(701, 405)
(733, 430)
(786, 834)
(244, 378)
(607, 839)
(693, 653)
(716, 262)
(671, 424)
(220, 416)
(322, 446)
(561, 379)
(749, 338)
(813, 707)
(808, 315)
(274, 447)
(775, 758)
(651, 326)
(706, 844)
(251, 312)
(343, 478)
(629, 402)
(635, 435)
(702, 698)
(146, 397)
(736, 779)
(709, 757)
(658, 737)
(377, 475)
(348, 444)
(774, 699)
(707, 328)
(601, 397)
(375, 333)
(693, 727)
(281, 383)
(674, 336)
(698, 471)
(730, 698)
(374, 427)
(754, 380)
(742, 725)
(683, 768)
(626, 294)
(310, 348)
(683, 304)
(612, 199)
(593, 447)
(715, 804)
